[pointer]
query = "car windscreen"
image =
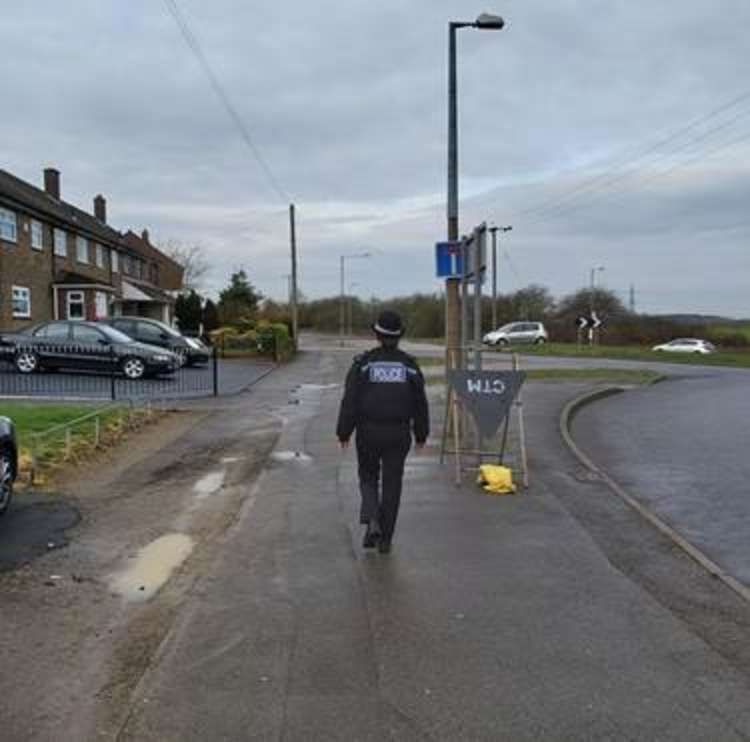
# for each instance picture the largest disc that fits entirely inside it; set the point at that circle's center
(161, 327)
(115, 336)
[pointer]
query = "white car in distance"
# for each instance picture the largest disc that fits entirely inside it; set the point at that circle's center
(686, 345)
(517, 332)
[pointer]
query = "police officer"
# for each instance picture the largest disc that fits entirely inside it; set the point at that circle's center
(385, 402)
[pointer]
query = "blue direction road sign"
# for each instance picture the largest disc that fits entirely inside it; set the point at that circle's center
(448, 260)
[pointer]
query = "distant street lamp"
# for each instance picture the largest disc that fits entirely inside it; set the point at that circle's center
(592, 286)
(342, 301)
(484, 22)
(349, 302)
(494, 230)
(592, 307)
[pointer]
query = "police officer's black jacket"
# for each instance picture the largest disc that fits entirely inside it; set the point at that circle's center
(384, 385)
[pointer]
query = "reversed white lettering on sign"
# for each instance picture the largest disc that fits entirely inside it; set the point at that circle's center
(485, 386)
(384, 372)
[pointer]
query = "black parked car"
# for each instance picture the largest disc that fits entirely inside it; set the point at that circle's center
(8, 462)
(89, 346)
(189, 351)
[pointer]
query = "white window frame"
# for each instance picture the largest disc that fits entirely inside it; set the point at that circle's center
(60, 238)
(80, 299)
(114, 258)
(37, 235)
(8, 225)
(99, 249)
(101, 302)
(25, 295)
(82, 246)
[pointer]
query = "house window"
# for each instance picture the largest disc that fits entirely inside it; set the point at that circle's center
(114, 257)
(82, 250)
(61, 248)
(8, 225)
(21, 302)
(99, 256)
(36, 235)
(101, 305)
(76, 305)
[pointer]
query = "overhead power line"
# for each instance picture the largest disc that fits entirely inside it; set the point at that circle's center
(651, 154)
(194, 45)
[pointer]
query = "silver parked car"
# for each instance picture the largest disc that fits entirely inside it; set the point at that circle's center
(517, 332)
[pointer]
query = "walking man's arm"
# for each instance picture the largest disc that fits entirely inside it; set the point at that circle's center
(348, 411)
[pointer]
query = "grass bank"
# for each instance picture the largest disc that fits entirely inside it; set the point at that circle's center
(739, 359)
(58, 448)
(635, 376)
(736, 358)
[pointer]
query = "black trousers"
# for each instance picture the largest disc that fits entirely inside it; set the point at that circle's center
(381, 453)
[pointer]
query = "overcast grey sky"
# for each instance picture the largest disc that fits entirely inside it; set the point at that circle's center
(347, 103)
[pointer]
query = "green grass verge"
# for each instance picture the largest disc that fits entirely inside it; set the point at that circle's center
(30, 418)
(609, 375)
(634, 353)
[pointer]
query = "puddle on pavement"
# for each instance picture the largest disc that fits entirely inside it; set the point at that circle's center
(152, 567)
(284, 456)
(209, 483)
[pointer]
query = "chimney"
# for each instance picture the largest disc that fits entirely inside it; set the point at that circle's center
(100, 208)
(144, 235)
(52, 182)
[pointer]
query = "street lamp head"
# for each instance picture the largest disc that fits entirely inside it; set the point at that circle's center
(489, 22)
(506, 229)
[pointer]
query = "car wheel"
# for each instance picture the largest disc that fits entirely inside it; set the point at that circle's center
(502, 342)
(27, 361)
(6, 480)
(133, 368)
(540, 341)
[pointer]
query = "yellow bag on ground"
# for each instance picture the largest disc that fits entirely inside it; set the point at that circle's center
(497, 480)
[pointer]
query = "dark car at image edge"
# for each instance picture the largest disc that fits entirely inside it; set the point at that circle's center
(83, 346)
(8, 462)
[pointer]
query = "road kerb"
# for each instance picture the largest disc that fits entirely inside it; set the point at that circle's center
(691, 550)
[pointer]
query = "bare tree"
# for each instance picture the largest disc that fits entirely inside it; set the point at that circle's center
(192, 258)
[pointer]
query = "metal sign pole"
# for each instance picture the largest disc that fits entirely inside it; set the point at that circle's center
(521, 431)
(465, 252)
(480, 235)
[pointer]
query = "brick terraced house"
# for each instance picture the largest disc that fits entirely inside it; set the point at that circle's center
(59, 262)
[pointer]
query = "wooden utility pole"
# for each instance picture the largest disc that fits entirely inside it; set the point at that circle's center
(293, 289)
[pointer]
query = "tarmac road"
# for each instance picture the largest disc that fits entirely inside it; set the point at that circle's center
(681, 447)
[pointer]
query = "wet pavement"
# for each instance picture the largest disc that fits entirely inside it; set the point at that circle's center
(680, 447)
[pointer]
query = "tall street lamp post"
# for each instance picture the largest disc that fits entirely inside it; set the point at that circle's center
(494, 230)
(484, 22)
(342, 298)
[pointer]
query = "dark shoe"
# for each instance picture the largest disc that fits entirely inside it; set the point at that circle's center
(372, 535)
(384, 547)
(371, 539)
